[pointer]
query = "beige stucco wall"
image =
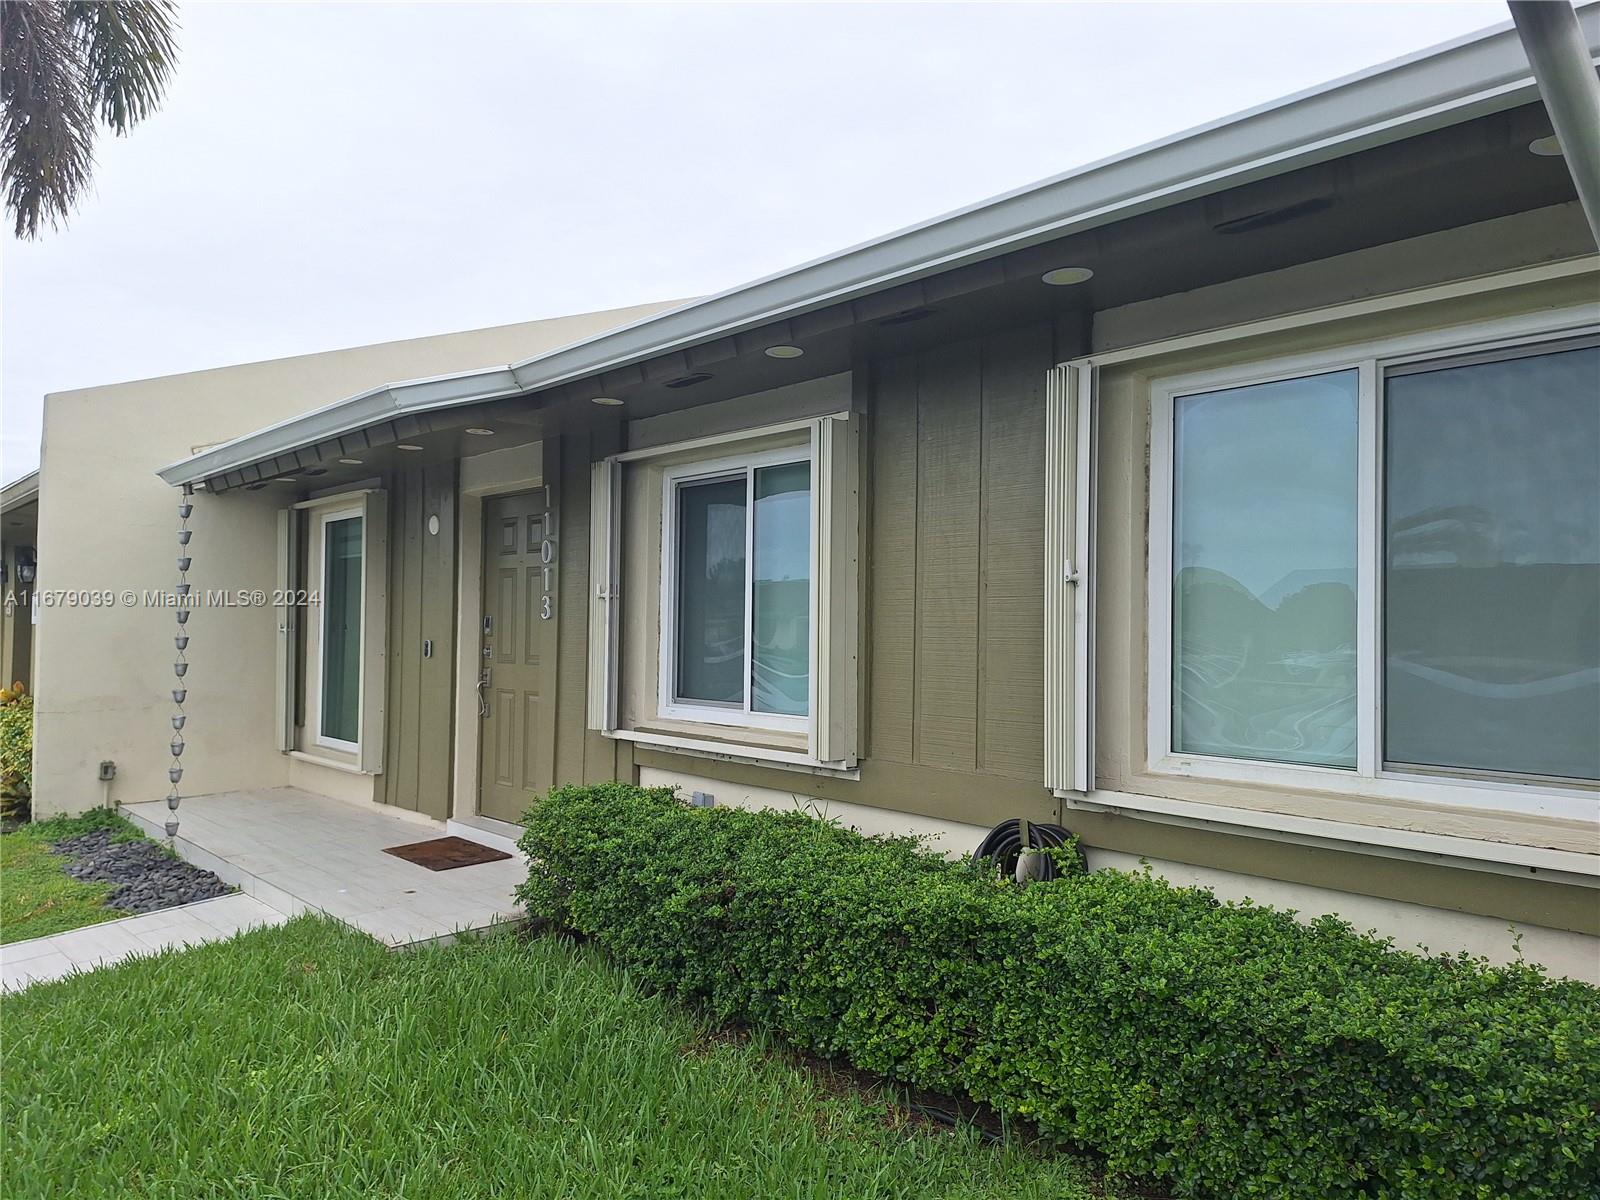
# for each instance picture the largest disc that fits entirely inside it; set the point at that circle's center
(106, 522)
(1434, 930)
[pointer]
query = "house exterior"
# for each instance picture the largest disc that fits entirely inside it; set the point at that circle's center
(1234, 502)
(19, 522)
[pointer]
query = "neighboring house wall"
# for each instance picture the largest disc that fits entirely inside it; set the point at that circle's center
(107, 524)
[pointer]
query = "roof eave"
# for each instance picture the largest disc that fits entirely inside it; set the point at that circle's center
(1458, 81)
(342, 417)
(1469, 77)
(19, 492)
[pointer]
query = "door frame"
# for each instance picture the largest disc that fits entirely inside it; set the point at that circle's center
(497, 473)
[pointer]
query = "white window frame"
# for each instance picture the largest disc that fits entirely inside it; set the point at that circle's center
(831, 729)
(323, 521)
(678, 708)
(1371, 778)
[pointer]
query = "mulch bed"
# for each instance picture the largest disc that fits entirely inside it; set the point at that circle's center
(147, 877)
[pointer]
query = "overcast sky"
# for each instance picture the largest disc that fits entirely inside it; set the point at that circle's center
(326, 175)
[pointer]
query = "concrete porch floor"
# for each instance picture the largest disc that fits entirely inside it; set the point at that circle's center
(296, 851)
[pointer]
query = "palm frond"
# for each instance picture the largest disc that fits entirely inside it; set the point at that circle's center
(46, 119)
(128, 54)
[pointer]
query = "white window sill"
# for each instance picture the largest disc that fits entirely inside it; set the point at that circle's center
(333, 764)
(1506, 858)
(1435, 791)
(760, 756)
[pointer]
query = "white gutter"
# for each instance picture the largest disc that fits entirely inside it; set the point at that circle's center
(345, 416)
(1457, 81)
(1563, 66)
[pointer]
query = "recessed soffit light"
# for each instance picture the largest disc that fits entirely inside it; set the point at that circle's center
(1067, 276)
(610, 401)
(479, 431)
(351, 462)
(288, 479)
(406, 446)
(1546, 147)
(783, 352)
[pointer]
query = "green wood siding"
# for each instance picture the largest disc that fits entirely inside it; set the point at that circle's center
(1011, 599)
(953, 637)
(581, 756)
(952, 509)
(889, 575)
(956, 610)
(419, 740)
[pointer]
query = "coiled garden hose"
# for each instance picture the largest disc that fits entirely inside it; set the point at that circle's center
(1003, 846)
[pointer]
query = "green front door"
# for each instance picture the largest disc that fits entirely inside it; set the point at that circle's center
(517, 656)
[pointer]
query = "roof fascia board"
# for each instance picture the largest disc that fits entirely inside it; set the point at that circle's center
(343, 417)
(1469, 77)
(788, 296)
(20, 491)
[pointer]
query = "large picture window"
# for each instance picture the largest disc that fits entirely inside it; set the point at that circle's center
(1383, 566)
(1491, 585)
(737, 571)
(1264, 572)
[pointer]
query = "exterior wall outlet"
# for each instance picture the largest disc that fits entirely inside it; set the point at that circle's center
(703, 800)
(108, 771)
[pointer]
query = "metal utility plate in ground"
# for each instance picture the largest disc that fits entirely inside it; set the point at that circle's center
(447, 853)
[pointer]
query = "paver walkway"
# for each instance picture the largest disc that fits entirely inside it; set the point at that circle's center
(288, 851)
(40, 959)
(296, 850)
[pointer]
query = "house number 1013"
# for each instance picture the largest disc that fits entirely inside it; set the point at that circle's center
(547, 559)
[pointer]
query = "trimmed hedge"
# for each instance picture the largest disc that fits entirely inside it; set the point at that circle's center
(1225, 1049)
(16, 746)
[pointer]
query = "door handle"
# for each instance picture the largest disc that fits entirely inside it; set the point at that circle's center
(483, 692)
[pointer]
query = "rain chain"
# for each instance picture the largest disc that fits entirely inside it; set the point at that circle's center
(180, 666)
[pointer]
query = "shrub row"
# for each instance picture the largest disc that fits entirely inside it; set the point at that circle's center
(1224, 1049)
(16, 746)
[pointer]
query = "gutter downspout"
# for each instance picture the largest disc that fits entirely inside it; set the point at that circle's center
(1559, 55)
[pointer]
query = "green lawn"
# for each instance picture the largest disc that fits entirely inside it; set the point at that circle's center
(36, 897)
(307, 1061)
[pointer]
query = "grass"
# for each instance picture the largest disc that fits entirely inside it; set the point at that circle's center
(37, 897)
(307, 1061)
